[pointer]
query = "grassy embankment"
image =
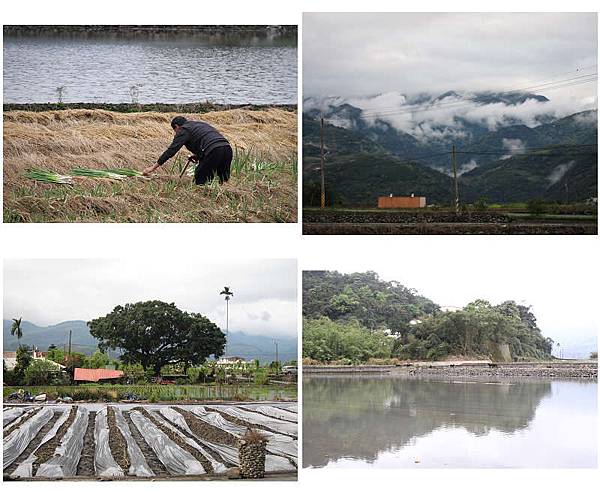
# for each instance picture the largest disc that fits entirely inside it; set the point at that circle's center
(155, 393)
(262, 188)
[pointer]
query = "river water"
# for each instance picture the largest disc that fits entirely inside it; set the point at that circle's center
(178, 70)
(397, 422)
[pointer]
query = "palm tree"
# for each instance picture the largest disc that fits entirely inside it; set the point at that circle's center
(15, 329)
(228, 295)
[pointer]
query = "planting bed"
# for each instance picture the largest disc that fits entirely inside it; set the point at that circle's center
(91, 441)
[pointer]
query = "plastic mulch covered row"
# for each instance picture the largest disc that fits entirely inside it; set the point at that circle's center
(176, 460)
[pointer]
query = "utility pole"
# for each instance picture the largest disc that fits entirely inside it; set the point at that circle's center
(322, 168)
(69, 356)
(455, 179)
(276, 353)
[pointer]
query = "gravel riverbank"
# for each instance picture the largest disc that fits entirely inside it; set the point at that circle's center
(588, 371)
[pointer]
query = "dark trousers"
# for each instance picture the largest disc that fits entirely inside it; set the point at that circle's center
(218, 162)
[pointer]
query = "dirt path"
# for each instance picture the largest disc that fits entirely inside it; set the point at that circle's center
(86, 466)
(154, 463)
(116, 442)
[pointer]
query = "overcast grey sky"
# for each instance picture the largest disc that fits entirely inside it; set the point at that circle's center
(348, 54)
(50, 291)
(557, 276)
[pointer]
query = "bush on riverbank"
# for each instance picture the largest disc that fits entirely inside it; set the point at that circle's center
(346, 343)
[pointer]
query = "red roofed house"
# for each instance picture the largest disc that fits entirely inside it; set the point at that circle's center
(96, 375)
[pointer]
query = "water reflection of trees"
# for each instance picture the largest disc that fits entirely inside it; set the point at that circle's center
(362, 416)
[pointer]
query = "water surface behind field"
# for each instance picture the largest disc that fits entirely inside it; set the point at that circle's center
(177, 70)
(394, 422)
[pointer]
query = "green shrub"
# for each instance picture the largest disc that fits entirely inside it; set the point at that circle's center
(537, 206)
(40, 372)
(481, 204)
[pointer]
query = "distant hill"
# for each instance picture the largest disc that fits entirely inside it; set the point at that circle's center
(563, 174)
(240, 343)
(43, 336)
(439, 122)
(555, 161)
(359, 170)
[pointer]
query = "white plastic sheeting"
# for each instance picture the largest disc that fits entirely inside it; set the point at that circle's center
(138, 464)
(104, 463)
(176, 460)
(278, 444)
(167, 415)
(25, 468)
(16, 442)
(13, 414)
(289, 428)
(290, 407)
(277, 463)
(68, 453)
(274, 412)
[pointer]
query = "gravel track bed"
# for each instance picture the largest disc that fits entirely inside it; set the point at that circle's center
(34, 443)
(116, 442)
(46, 451)
(19, 421)
(86, 465)
(154, 463)
(177, 440)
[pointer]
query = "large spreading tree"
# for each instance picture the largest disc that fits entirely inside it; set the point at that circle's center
(156, 333)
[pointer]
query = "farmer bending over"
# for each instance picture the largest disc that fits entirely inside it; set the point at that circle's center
(210, 150)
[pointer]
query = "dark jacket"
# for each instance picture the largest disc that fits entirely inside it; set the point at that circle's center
(198, 137)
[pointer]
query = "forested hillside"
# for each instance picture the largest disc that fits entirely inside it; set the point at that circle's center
(356, 317)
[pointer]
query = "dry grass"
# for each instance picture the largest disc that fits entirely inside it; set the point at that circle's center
(263, 186)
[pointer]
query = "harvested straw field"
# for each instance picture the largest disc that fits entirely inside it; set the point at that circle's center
(134, 441)
(262, 188)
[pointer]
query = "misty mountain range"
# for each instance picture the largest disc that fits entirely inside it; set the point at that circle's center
(511, 147)
(240, 344)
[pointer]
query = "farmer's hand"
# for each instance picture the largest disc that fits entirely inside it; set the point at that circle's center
(149, 170)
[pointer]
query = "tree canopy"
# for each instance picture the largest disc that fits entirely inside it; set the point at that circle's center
(156, 333)
(342, 311)
(376, 304)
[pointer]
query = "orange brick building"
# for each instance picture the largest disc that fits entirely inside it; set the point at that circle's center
(401, 202)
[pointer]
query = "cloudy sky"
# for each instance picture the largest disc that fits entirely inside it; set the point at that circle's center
(414, 52)
(50, 291)
(556, 276)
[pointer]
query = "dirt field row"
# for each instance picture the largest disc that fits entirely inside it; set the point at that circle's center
(262, 188)
(92, 441)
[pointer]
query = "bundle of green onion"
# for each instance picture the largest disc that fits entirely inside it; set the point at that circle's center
(124, 171)
(95, 173)
(48, 176)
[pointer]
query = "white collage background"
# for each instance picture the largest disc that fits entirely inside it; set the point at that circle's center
(152, 242)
